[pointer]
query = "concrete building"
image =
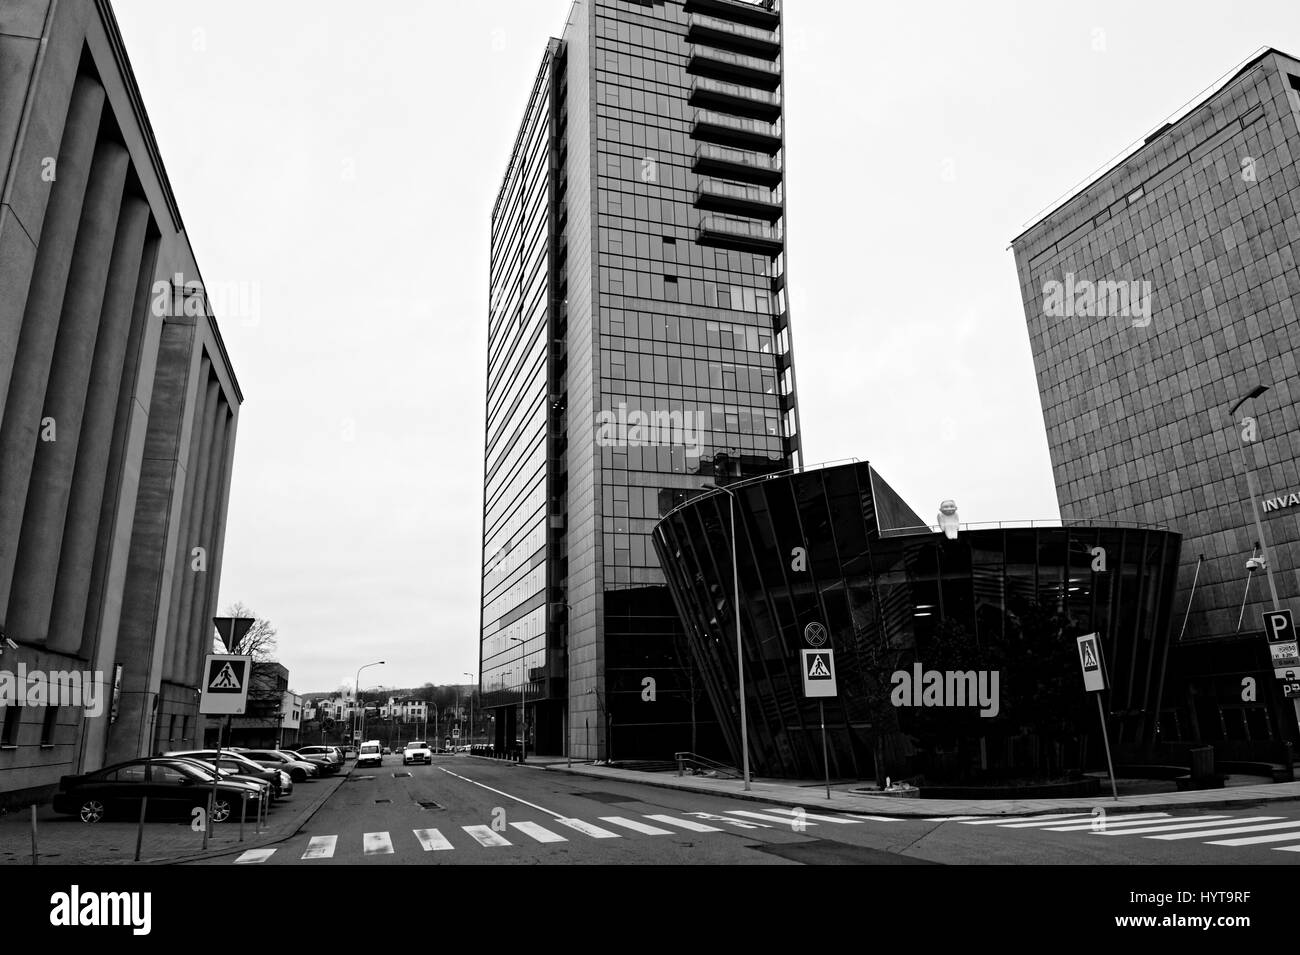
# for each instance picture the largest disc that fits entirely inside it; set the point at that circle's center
(118, 406)
(1158, 298)
(639, 347)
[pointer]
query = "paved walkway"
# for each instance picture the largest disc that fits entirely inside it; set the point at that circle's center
(66, 840)
(813, 794)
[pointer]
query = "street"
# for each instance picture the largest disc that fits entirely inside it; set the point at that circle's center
(463, 810)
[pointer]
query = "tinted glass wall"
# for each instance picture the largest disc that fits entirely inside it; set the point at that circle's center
(995, 612)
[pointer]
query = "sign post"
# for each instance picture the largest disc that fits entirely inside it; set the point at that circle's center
(1094, 681)
(225, 692)
(818, 668)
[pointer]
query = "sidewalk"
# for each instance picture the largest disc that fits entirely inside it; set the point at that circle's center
(66, 840)
(812, 795)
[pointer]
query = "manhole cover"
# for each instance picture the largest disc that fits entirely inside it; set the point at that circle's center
(401, 775)
(428, 804)
(379, 801)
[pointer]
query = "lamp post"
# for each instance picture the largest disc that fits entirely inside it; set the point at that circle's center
(473, 680)
(360, 728)
(740, 657)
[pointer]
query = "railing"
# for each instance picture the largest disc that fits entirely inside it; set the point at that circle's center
(1012, 525)
(735, 190)
(707, 84)
(738, 157)
(751, 229)
(706, 22)
(696, 764)
(741, 60)
(756, 127)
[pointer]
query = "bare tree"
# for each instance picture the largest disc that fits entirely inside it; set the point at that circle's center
(259, 642)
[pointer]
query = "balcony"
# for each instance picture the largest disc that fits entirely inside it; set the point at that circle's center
(756, 202)
(736, 37)
(739, 164)
(708, 93)
(753, 134)
(736, 67)
(747, 235)
(766, 14)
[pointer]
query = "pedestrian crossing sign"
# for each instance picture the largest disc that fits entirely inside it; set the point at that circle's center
(818, 668)
(1094, 677)
(225, 684)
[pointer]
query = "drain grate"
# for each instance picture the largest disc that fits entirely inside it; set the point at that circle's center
(428, 804)
(381, 801)
(401, 775)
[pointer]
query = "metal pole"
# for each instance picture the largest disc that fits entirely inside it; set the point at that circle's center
(740, 655)
(1105, 739)
(139, 833)
(216, 776)
(34, 852)
(243, 813)
(821, 711)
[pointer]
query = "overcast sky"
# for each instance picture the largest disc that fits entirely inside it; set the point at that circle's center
(340, 161)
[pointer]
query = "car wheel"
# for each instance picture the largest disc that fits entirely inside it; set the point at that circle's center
(221, 809)
(298, 775)
(92, 810)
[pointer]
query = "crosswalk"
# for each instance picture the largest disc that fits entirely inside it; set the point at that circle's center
(561, 829)
(1214, 830)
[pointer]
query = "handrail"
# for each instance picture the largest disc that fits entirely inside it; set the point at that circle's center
(703, 762)
(1010, 525)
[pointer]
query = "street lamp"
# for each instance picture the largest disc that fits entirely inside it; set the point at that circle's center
(740, 658)
(360, 728)
(473, 680)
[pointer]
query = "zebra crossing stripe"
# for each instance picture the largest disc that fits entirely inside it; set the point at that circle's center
(1286, 848)
(1235, 830)
(538, 832)
(1256, 840)
(854, 821)
(254, 856)
(635, 826)
(1098, 822)
(485, 836)
(1033, 820)
(321, 847)
(377, 844)
(687, 824)
(1206, 822)
(432, 840)
(587, 829)
(766, 817)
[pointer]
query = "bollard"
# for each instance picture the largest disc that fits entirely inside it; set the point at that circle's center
(139, 833)
(243, 813)
(34, 853)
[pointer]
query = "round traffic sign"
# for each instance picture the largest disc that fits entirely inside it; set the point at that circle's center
(815, 634)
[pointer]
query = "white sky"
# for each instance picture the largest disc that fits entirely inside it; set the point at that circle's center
(342, 159)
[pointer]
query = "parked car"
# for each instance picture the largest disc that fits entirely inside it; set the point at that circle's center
(274, 759)
(239, 764)
(325, 764)
(417, 751)
(370, 752)
(263, 785)
(333, 753)
(175, 787)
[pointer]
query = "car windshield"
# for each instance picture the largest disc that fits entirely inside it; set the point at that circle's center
(417, 744)
(369, 748)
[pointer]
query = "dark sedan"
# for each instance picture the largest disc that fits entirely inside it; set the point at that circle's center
(175, 788)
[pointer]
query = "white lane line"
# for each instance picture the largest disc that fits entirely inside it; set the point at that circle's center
(321, 847)
(537, 832)
(254, 856)
(432, 840)
(635, 826)
(841, 820)
(485, 836)
(1099, 822)
(934, 818)
(1256, 840)
(1174, 826)
(377, 844)
(530, 805)
(783, 820)
(684, 823)
(1286, 848)
(1228, 831)
(587, 829)
(1004, 820)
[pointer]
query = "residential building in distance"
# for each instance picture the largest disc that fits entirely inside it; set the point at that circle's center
(118, 409)
(639, 347)
(1159, 299)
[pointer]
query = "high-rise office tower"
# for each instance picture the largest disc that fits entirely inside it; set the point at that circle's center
(1159, 298)
(638, 348)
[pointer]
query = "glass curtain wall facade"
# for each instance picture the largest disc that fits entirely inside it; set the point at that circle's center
(837, 547)
(670, 350)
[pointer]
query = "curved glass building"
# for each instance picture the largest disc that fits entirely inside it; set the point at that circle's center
(955, 650)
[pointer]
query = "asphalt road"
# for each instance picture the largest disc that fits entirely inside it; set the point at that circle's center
(462, 811)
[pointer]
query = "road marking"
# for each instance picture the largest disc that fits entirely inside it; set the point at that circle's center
(587, 829)
(1286, 848)
(764, 816)
(1228, 832)
(684, 823)
(321, 847)
(800, 814)
(530, 805)
(945, 818)
(1004, 820)
(738, 823)
(485, 836)
(377, 844)
(432, 839)
(540, 833)
(635, 826)
(1256, 840)
(1173, 826)
(254, 856)
(1099, 822)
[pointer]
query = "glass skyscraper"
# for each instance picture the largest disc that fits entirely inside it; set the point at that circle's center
(638, 348)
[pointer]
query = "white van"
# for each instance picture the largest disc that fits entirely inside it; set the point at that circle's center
(372, 751)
